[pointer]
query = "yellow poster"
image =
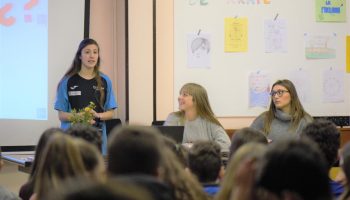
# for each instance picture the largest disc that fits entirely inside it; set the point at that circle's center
(348, 54)
(236, 34)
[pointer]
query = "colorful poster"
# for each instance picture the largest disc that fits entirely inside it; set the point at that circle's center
(236, 34)
(348, 54)
(198, 50)
(320, 46)
(275, 36)
(330, 10)
(259, 89)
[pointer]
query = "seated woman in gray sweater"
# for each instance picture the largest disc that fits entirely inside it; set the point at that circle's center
(286, 117)
(198, 118)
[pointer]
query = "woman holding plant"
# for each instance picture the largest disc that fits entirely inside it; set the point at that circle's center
(84, 94)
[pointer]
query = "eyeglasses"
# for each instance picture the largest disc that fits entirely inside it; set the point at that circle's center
(278, 92)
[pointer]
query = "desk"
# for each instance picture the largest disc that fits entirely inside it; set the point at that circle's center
(344, 134)
(24, 161)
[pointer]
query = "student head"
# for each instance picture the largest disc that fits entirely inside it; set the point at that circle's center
(194, 98)
(173, 173)
(92, 159)
(41, 145)
(61, 159)
(204, 161)
(284, 97)
(327, 136)
(179, 150)
(294, 168)
(86, 132)
(249, 151)
(134, 150)
(245, 135)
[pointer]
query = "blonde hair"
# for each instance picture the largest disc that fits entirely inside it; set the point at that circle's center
(61, 160)
(297, 111)
(201, 101)
(251, 150)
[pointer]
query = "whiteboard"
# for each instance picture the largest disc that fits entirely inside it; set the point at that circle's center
(227, 76)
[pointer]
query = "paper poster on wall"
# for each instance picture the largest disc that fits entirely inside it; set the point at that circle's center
(333, 86)
(198, 50)
(302, 82)
(320, 46)
(259, 89)
(236, 34)
(275, 36)
(348, 54)
(330, 10)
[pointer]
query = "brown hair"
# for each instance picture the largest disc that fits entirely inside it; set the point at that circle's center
(297, 111)
(76, 66)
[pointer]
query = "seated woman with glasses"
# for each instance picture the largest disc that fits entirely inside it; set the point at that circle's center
(286, 117)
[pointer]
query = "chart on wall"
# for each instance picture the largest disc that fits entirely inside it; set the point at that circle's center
(237, 49)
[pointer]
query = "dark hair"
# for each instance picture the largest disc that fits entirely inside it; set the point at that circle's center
(86, 132)
(134, 149)
(180, 151)
(76, 65)
(327, 136)
(296, 166)
(204, 160)
(245, 135)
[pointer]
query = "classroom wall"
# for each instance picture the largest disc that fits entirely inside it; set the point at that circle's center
(103, 27)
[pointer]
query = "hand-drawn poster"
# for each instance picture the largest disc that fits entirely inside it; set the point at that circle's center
(333, 86)
(302, 82)
(236, 34)
(259, 89)
(330, 10)
(320, 46)
(275, 36)
(198, 50)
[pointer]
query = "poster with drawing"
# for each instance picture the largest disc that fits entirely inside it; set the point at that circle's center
(320, 46)
(259, 89)
(198, 50)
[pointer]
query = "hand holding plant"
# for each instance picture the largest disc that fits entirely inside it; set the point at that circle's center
(83, 116)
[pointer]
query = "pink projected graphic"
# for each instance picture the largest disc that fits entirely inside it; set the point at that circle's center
(11, 20)
(6, 21)
(30, 4)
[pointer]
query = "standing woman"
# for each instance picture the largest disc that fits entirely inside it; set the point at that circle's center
(84, 83)
(198, 118)
(286, 117)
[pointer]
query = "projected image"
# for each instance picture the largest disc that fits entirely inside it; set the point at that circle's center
(23, 59)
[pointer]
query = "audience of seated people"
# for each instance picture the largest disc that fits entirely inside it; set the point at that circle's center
(152, 166)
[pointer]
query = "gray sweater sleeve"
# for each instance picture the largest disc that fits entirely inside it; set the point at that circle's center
(258, 122)
(172, 120)
(220, 136)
